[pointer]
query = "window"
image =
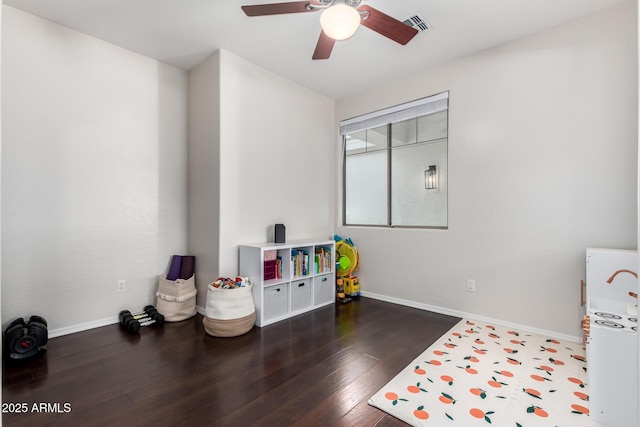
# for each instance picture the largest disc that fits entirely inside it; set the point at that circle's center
(395, 165)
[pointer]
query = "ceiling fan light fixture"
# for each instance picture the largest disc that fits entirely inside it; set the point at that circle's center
(340, 21)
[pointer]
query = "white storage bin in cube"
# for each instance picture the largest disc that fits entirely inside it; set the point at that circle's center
(323, 289)
(301, 296)
(276, 301)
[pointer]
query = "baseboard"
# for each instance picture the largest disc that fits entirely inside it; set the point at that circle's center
(462, 314)
(53, 333)
(421, 306)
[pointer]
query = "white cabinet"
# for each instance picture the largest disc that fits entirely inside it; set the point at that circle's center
(612, 343)
(289, 278)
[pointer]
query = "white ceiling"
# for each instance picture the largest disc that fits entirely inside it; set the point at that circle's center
(184, 32)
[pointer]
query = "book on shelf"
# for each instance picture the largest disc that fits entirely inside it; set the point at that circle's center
(273, 269)
(322, 260)
(270, 270)
(299, 262)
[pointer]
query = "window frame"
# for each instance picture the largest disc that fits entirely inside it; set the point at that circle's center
(401, 116)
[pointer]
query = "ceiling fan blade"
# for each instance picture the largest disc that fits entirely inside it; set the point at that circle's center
(278, 8)
(324, 47)
(387, 26)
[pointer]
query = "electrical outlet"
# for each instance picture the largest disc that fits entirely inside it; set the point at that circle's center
(122, 285)
(471, 285)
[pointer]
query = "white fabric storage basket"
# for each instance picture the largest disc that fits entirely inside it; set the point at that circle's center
(229, 312)
(176, 299)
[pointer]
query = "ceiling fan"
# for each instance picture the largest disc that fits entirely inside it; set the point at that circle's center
(339, 20)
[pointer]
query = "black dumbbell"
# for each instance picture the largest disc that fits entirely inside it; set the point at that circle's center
(128, 322)
(18, 321)
(25, 339)
(12, 335)
(150, 315)
(133, 321)
(38, 319)
(154, 315)
(38, 327)
(145, 319)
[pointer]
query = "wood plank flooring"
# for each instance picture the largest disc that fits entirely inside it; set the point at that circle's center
(318, 368)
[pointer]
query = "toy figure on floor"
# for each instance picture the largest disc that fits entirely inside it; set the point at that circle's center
(340, 295)
(347, 260)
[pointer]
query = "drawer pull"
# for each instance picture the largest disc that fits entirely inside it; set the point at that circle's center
(300, 285)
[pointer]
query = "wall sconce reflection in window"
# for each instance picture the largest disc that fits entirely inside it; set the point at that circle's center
(431, 178)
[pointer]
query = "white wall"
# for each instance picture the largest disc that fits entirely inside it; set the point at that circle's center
(93, 174)
(274, 162)
(542, 163)
(204, 171)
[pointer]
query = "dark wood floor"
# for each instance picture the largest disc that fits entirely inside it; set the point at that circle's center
(319, 368)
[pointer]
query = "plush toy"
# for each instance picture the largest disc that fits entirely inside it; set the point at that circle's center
(228, 283)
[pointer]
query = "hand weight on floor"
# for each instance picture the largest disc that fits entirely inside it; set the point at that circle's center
(25, 339)
(151, 316)
(133, 321)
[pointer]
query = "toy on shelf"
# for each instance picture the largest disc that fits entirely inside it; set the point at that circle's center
(347, 261)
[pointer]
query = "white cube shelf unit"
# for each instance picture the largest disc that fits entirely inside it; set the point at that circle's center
(289, 278)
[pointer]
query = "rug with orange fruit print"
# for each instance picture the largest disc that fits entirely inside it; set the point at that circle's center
(479, 374)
